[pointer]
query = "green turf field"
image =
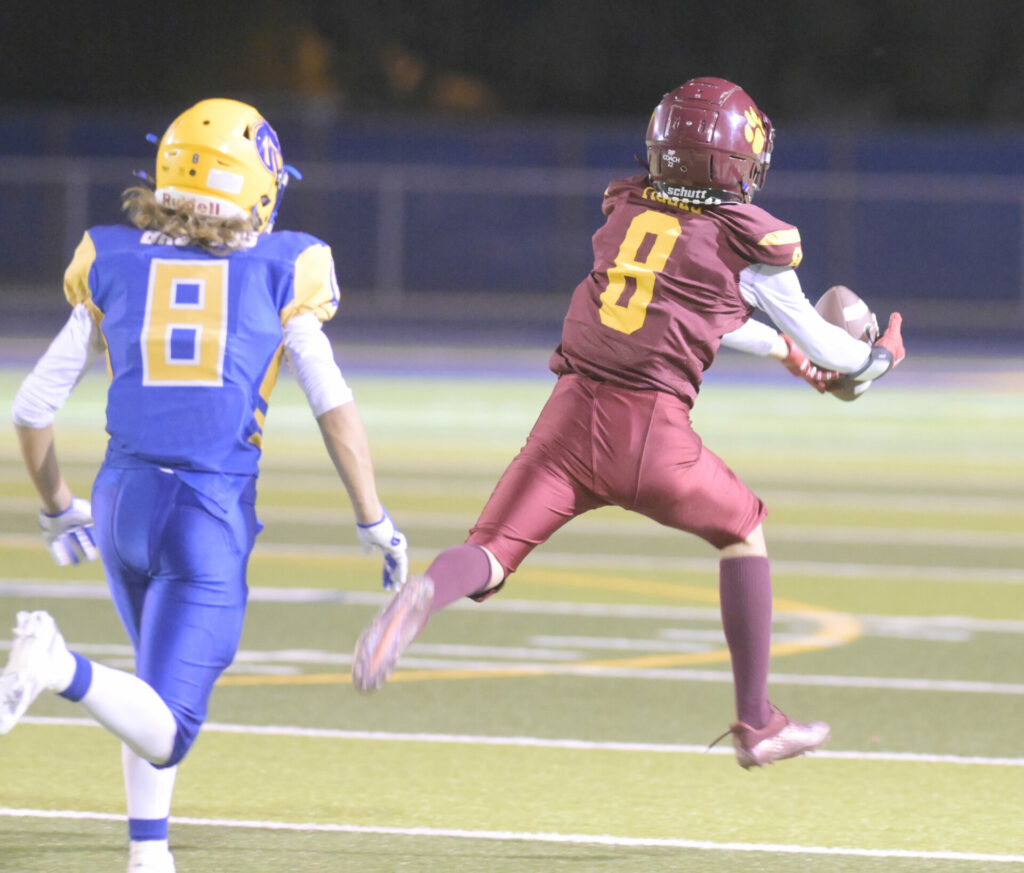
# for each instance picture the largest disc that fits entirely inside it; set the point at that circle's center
(562, 725)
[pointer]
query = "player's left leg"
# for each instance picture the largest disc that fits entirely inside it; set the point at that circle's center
(184, 616)
(762, 733)
(680, 483)
(188, 634)
(745, 598)
(148, 792)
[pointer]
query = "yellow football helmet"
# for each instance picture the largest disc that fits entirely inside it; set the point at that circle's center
(224, 157)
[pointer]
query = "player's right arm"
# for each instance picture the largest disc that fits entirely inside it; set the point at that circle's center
(65, 520)
(310, 356)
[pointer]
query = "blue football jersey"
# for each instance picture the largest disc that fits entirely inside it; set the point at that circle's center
(194, 339)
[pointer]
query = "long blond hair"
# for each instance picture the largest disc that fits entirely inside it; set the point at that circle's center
(182, 222)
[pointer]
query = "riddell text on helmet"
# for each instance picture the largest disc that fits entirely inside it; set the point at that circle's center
(202, 207)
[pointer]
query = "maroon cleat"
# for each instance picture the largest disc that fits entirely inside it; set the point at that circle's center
(387, 636)
(780, 738)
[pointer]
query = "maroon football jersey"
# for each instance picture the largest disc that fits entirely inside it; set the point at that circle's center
(665, 288)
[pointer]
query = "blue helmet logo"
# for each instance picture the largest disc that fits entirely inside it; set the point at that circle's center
(268, 147)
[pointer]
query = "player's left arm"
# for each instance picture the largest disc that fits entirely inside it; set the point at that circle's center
(756, 338)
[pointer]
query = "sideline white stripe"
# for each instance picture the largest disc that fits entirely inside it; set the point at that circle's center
(542, 742)
(531, 837)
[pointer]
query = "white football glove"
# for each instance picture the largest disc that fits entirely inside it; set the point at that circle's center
(385, 536)
(69, 535)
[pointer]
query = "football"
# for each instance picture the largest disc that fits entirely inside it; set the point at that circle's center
(844, 308)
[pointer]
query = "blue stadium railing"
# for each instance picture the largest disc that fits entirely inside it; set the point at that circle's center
(470, 221)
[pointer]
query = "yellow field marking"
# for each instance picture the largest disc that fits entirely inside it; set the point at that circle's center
(834, 629)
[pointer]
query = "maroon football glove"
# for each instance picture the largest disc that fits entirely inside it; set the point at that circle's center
(798, 364)
(892, 339)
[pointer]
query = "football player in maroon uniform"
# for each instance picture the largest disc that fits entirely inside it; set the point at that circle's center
(680, 264)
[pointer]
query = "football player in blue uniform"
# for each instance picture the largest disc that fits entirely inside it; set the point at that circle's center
(195, 304)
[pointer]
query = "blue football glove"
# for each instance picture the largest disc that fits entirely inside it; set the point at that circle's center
(385, 536)
(69, 535)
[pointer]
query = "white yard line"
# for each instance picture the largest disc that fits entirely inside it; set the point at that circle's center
(530, 837)
(540, 742)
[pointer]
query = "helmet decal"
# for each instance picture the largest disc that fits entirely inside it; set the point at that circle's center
(754, 131)
(267, 146)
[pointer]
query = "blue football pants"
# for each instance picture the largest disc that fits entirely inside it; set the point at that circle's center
(176, 566)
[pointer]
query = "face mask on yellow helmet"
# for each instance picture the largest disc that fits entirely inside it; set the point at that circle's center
(223, 157)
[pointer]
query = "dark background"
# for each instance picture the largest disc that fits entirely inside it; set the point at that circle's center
(480, 135)
(851, 61)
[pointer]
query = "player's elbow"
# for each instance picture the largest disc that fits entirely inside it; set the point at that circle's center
(31, 409)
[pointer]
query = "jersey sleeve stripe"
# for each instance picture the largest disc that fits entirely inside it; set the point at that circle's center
(780, 237)
(316, 286)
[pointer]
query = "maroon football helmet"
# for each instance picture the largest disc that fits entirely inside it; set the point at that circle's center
(708, 143)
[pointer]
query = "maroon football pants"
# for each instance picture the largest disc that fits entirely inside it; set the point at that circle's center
(597, 444)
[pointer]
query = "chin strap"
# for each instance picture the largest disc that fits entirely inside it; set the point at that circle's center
(283, 175)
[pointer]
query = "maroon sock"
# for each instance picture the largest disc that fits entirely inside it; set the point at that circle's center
(458, 572)
(745, 592)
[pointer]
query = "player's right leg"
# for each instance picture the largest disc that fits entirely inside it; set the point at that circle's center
(459, 571)
(538, 493)
(681, 484)
(148, 792)
(39, 661)
(390, 633)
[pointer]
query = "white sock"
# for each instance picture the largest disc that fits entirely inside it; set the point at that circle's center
(148, 791)
(131, 710)
(65, 666)
(140, 847)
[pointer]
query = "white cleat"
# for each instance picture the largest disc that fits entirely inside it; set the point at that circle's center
(779, 739)
(390, 633)
(145, 856)
(32, 666)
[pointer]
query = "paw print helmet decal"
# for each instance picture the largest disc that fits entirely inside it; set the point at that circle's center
(708, 143)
